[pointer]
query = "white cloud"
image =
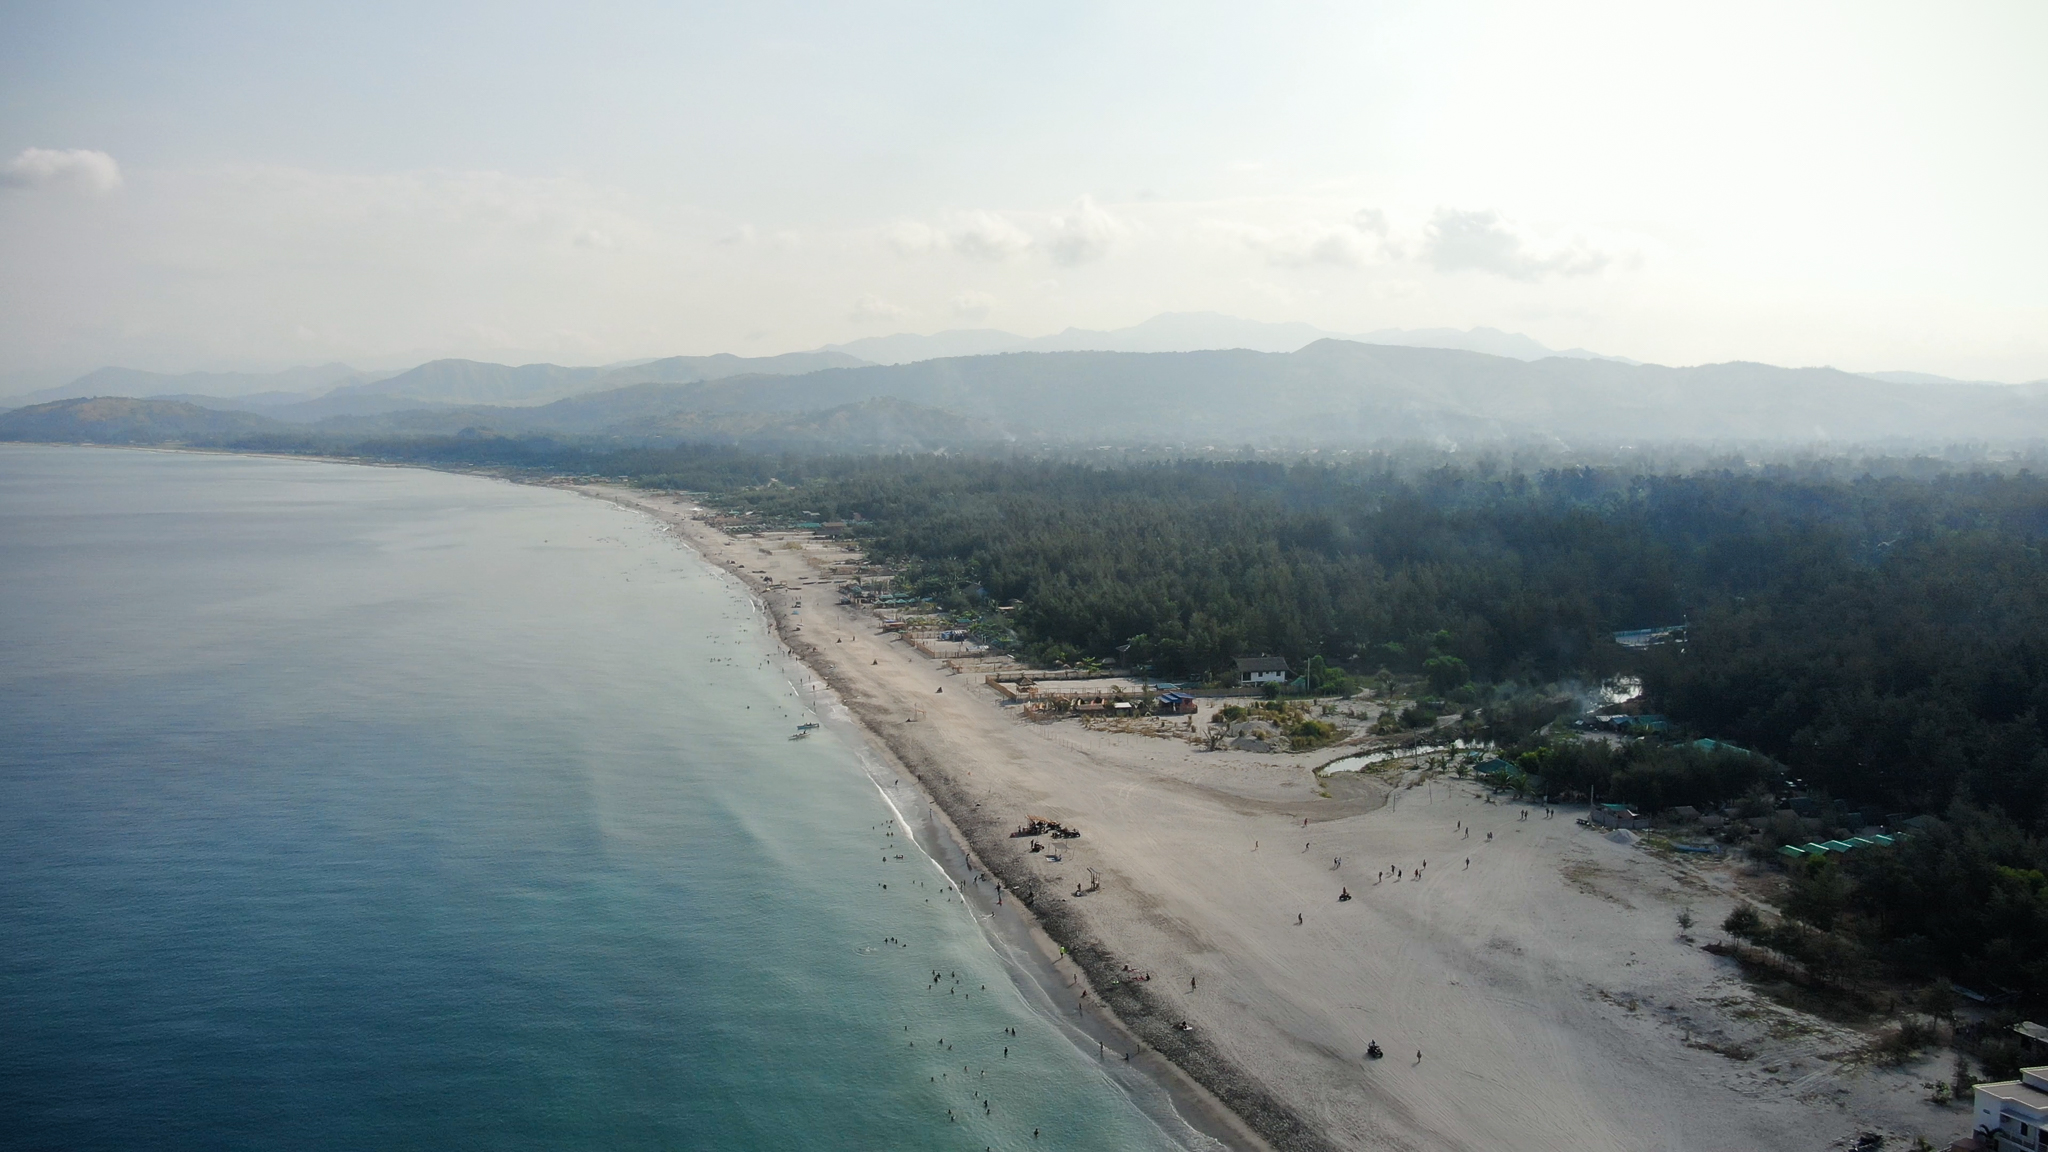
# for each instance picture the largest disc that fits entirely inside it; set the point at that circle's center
(988, 236)
(1359, 241)
(910, 238)
(1086, 233)
(1460, 241)
(79, 168)
(973, 305)
(1327, 247)
(872, 309)
(978, 235)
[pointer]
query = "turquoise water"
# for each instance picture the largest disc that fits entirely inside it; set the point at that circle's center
(372, 808)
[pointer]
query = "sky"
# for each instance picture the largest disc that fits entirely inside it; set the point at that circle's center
(219, 186)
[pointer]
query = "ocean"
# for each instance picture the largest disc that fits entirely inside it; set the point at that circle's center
(350, 807)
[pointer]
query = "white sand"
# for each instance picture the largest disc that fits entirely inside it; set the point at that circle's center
(1546, 986)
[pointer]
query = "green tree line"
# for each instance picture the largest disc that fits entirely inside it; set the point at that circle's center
(1883, 635)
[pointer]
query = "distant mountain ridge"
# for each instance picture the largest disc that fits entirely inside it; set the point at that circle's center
(1334, 392)
(129, 420)
(877, 425)
(1331, 393)
(1930, 378)
(1194, 332)
(1248, 381)
(298, 382)
(474, 381)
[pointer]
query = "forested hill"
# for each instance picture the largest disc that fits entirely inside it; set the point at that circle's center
(1884, 639)
(122, 420)
(1341, 393)
(1888, 637)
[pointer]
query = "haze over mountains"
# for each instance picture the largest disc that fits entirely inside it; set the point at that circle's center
(1190, 379)
(342, 390)
(1329, 393)
(1191, 332)
(304, 394)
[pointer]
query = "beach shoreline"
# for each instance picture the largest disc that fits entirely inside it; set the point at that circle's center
(1540, 969)
(1537, 963)
(1018, 932)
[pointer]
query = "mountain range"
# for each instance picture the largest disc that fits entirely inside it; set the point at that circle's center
(1192, 332)
(304, 395)
(314, 393)
(1329, 393)
(311, 393)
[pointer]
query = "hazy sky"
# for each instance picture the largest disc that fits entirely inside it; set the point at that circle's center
(188, 185)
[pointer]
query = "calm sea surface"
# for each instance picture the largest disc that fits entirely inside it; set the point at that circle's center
(369, 808)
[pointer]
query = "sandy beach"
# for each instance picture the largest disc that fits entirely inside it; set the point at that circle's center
(1527, 979)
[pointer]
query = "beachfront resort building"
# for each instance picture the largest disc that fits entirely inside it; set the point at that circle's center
(1262, 670)
(1618, 816)
(2010, 1113)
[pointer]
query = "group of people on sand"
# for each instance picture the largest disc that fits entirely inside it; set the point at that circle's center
(1399, 873)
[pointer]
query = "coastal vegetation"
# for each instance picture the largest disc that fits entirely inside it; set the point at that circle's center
(1880, 639)
(1876, 635)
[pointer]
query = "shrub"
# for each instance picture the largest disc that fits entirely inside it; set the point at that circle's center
(1743, 923)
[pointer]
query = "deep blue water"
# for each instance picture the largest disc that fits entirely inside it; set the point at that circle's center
(350, 807)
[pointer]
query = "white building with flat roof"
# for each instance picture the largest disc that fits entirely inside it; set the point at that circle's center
(2010, 1113)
